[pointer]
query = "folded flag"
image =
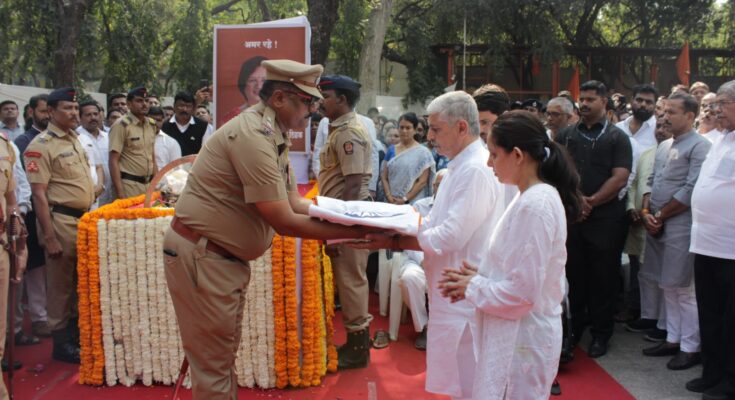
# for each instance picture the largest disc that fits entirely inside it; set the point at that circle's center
(403, 219)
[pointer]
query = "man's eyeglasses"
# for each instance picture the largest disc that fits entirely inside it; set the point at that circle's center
(553, 114)
(304, 98)
(720, 103)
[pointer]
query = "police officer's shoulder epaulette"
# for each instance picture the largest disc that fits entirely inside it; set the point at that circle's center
(151, 121)
(4, 136)
(125, 121)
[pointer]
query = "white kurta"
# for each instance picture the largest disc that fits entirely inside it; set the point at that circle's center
(466, 209)
(518, 294)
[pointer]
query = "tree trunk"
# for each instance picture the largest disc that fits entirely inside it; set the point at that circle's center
(71, 18)
(264, 10)
(372, 49)
(323, 16)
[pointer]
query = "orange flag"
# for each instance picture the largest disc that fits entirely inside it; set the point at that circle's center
(573, 86)
(535, 65)
(682, 65)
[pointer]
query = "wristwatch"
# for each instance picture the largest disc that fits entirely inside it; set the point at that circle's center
(405, 200)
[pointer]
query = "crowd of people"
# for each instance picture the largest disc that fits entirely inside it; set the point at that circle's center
(525, 205)
(638, 164)
(70, 157)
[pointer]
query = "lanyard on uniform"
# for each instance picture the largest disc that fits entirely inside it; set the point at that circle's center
(594, 139)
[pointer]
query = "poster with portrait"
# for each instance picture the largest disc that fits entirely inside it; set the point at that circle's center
(238, 77)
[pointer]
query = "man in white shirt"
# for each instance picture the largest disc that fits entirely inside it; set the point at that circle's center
(167, 148)
(90, 116)
(322, 131)
(713, 245)
(708, 126)
(641, 126)
(465, 212)
(95, 168)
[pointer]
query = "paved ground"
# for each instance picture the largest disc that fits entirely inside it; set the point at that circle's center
(646, 378)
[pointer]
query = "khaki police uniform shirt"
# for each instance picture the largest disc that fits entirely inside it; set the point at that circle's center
(7, 182)
(57, 159)
(134, 139)
(347, 152)
(244, 162)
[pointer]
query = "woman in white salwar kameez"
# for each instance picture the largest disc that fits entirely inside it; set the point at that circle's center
(519, 286)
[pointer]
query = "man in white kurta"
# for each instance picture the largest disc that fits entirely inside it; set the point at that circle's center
(412, 278)
(466, 210)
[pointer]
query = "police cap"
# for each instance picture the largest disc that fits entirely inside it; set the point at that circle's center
(334, 82)
(62, 94)
(304, 77)
(139, 91)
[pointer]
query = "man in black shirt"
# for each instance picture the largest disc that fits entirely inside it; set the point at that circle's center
(603, 156)
(187, 129)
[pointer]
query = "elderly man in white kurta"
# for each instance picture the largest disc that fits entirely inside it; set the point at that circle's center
(466, 209)
(458, 228)
(412, 277)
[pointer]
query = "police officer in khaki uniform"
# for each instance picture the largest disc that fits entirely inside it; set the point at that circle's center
(345, 172)
(240, 189)
(61, 183)
(8, 206)
(132, 141)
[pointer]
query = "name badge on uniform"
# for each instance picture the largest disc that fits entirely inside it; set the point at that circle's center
(66, 154)
(134, 139)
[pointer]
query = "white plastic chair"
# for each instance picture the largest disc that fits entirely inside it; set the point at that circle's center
(389, 291)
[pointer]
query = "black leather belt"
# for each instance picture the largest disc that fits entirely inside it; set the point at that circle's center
(72, 212)
(136, 178)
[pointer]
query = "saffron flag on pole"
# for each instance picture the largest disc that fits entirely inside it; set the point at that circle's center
(682, 65)
(573, 86)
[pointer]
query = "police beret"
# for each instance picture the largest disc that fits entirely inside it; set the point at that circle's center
(516, 105)
(139, 91)
(333, 82)
(535, 103)
(304, 77)
(62, 94)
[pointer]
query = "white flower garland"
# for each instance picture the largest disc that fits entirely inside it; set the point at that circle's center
(108, 342)
(162, 308)
(126, 375)
(260, 316)
(269, 320)
(141, 258)
(132, 267)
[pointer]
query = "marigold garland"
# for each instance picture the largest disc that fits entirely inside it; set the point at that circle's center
(279, 356)
(279, 311)
(307, 313)
(91, 370)
(293, 345)
(329, 311)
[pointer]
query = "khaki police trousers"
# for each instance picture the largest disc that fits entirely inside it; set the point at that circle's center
(132, 188)
(61, 273)
(4, 283)
(208, 293)
(350, 274)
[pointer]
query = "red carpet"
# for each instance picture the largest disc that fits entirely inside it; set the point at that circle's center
(397, 372)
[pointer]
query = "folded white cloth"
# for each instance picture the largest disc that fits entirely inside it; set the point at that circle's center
(403, 219)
